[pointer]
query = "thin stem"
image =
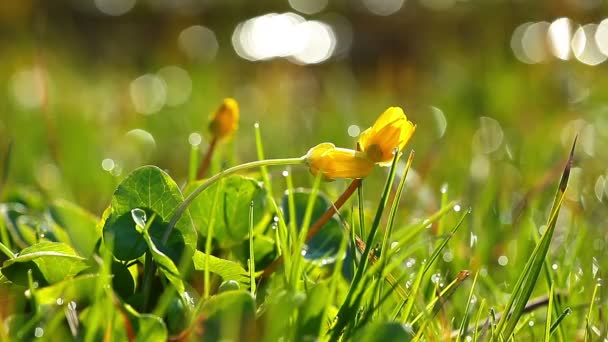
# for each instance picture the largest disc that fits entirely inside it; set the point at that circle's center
(268, 162)
(202, 169)
(314, 229)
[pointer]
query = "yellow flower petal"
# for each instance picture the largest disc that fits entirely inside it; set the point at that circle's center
(391, 131)
(334, 162)
(225, 120)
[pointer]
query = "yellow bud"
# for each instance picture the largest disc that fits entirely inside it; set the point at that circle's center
(225, 121)
(392, 131)
(334, 162)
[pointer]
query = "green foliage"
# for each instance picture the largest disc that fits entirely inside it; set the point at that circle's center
(231, 214)
(152, 190)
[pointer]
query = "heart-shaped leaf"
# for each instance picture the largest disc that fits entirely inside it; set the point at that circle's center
(230, 214)
(151, 189)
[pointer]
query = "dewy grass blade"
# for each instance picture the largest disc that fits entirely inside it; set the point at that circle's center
(433, 306)
(300, 238)
(391, 220)
(423, 270)
(549, 311)
(588, 317)
(465, 319)
(251, 260)
(526, 282)
(282, 241)
(346, 310)
(559, 319)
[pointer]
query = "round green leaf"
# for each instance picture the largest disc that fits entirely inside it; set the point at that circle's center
(230, 214)
(150, 189)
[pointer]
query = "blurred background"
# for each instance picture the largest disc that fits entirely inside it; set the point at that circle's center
(91, 89)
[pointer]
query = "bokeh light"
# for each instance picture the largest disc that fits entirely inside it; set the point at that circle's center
(28, 87)
(308, 6)
(114, 7)
(383, 7)
(560, 34)
(284, 35)
(199, 43)
(178, 84)
(148, 94)
(585, 47)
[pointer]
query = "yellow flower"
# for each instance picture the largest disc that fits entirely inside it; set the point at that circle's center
(334, 162)
(225, 120)
(392, 130)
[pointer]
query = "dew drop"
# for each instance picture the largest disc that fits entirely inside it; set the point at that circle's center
(457, 208)
(38, 332)
(503, 260)
(531, 323)
(448, 256)
(595, 267)
(444, 188)
(59, 301)
(139, 216)
(256, 125)
(435, 278)
(554, 266)
(285, 173)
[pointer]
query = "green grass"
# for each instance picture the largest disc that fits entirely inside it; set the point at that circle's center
(402, 259)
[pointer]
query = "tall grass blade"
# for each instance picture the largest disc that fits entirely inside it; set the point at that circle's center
(423, 270)
(526, 282)
(465, 319)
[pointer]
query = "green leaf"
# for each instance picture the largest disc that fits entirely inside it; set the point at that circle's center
(55, 261)
(228, 270)
(166, 266)
(311, 312)
(231, 224)
(80, 225)
(151, 189)
(77, 289)
(264, 250)
(326, 242)
(229, 316)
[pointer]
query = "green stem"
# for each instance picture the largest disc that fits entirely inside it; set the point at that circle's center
(268, 162)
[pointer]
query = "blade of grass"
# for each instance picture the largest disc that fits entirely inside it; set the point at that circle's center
(282, 237)
(423, 270)
(588, 317)
(478, 319)
(548, 319)
(559, 319)
(465, 319)
(349, 307)
(251, 260)
(391, 222)
(526, 282)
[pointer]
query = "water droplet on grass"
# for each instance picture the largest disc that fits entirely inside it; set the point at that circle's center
(457, 208)
(554, 266)
(72, 305)
(59, 301)
(595, 267)
(38, 332)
